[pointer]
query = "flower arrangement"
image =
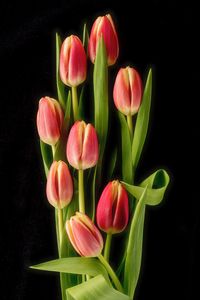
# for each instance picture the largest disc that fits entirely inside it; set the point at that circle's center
(91, 178)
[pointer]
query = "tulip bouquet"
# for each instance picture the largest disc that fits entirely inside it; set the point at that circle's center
(91, 147)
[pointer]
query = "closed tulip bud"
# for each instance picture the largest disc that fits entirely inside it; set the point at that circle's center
(82, 146)
(59, 188)
(49, 120)
(72, 61)
(104, 26)
(84, 235)
(127, 92)
(113, 209)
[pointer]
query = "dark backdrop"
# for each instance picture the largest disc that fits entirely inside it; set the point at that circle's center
(162, 34)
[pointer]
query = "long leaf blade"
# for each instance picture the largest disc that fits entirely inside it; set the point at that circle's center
(142, 122)
(100, 78)
(127, 168)
(96, 288)
(74, 265)
(134, 248)
(60, 85)
(47, 156)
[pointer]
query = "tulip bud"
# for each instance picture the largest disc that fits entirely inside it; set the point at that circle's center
(127, 92)
(84, 235)
(59, 188)
(72, 61)
(82, 146)
(104, 26)
(113, 208)
(49, 120)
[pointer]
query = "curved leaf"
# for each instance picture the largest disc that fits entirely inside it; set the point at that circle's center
(142, 122)
(96, 288)
(157, 184)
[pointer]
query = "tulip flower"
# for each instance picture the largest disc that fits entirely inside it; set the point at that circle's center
(127, 92)
(104, 26)
(84, 235)
(72, 61)
(113, 209)
(82, 146)
(59, 188)
(49, 120)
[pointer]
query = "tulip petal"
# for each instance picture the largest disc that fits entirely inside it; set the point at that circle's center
(120, 220)
(90, 151)
(121, 92)
(136, 90)
(77, 62)
(65, 185)
(86, 242)
(51, 187)
(105, 209)
(75, 144)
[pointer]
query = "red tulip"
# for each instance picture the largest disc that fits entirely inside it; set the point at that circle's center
(49, 120)
(72, 61)
(84, 235)
(127, 92)
(113, 208)
(104, 26)
(82, 146)
(59, 187)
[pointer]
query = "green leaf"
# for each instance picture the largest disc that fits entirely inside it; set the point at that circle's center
(112, 164)
(150, 191)
(157, 185)
(134, 248)
(127, 168)
(60, 85)
(85, 37)
(81, 106)
(95, 289)
(100, 78)
(74, 265)
(47, 156)
(142, 122)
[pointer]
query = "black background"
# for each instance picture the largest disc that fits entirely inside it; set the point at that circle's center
(162, 34)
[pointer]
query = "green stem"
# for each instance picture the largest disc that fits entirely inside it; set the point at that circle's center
(111, 273)
(130, 125)
(107, 246)
(81, 191)
(60, 234)
(60, 226)
(75, 102)
(53, 147)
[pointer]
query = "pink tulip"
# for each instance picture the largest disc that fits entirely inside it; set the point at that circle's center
(82, 146)
(84, 235)
(104, 26)
(113, 208)
(59, 188)
(49, 120)
(72, 61)
(127, 92)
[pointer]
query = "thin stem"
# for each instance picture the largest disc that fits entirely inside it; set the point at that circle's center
(60, 226)
(107, 246)
(130, 125)
(75, 102)
(111, 273)
(81, 191)
(53, 147)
